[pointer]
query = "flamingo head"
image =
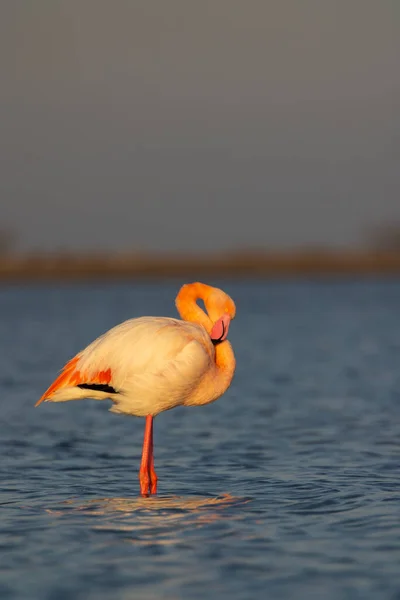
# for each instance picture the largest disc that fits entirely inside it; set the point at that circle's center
(221, 309)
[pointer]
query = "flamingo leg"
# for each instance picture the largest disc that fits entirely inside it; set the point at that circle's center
(147, 475)
(152, 473)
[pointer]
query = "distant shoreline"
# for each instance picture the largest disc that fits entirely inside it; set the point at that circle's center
(63, 268)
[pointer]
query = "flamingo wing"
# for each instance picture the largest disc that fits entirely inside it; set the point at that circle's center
(144, 365)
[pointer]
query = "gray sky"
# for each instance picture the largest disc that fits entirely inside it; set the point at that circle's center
(186, 125)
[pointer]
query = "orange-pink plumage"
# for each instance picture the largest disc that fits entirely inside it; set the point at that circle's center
(152, 364)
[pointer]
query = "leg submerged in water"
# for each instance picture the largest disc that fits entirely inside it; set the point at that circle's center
(147, 474)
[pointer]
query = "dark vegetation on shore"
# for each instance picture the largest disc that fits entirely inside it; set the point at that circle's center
(53, 267)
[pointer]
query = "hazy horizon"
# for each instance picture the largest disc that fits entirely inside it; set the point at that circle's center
(198, 126)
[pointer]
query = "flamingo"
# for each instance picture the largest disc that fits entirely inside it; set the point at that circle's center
(151, 364)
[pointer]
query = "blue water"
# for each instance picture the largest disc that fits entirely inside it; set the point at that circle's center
(287, 487)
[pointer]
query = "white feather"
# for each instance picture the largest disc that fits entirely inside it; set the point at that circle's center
(157, 363)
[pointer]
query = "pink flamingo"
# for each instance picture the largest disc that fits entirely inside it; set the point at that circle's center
(151, 364)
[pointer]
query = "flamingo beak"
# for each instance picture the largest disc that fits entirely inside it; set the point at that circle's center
(219, 332)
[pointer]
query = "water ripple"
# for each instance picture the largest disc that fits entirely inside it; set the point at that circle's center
(288, 487)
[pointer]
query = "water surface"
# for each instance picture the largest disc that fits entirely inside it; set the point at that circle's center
(287, 487)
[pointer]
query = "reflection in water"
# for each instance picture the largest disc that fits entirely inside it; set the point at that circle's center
(309, 430)
(154, 520)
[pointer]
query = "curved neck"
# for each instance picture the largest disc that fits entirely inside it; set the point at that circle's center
(225, 360)
(190, 311)
(186, 304)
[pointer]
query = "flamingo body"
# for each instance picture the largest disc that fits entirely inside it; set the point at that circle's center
(152, 364)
